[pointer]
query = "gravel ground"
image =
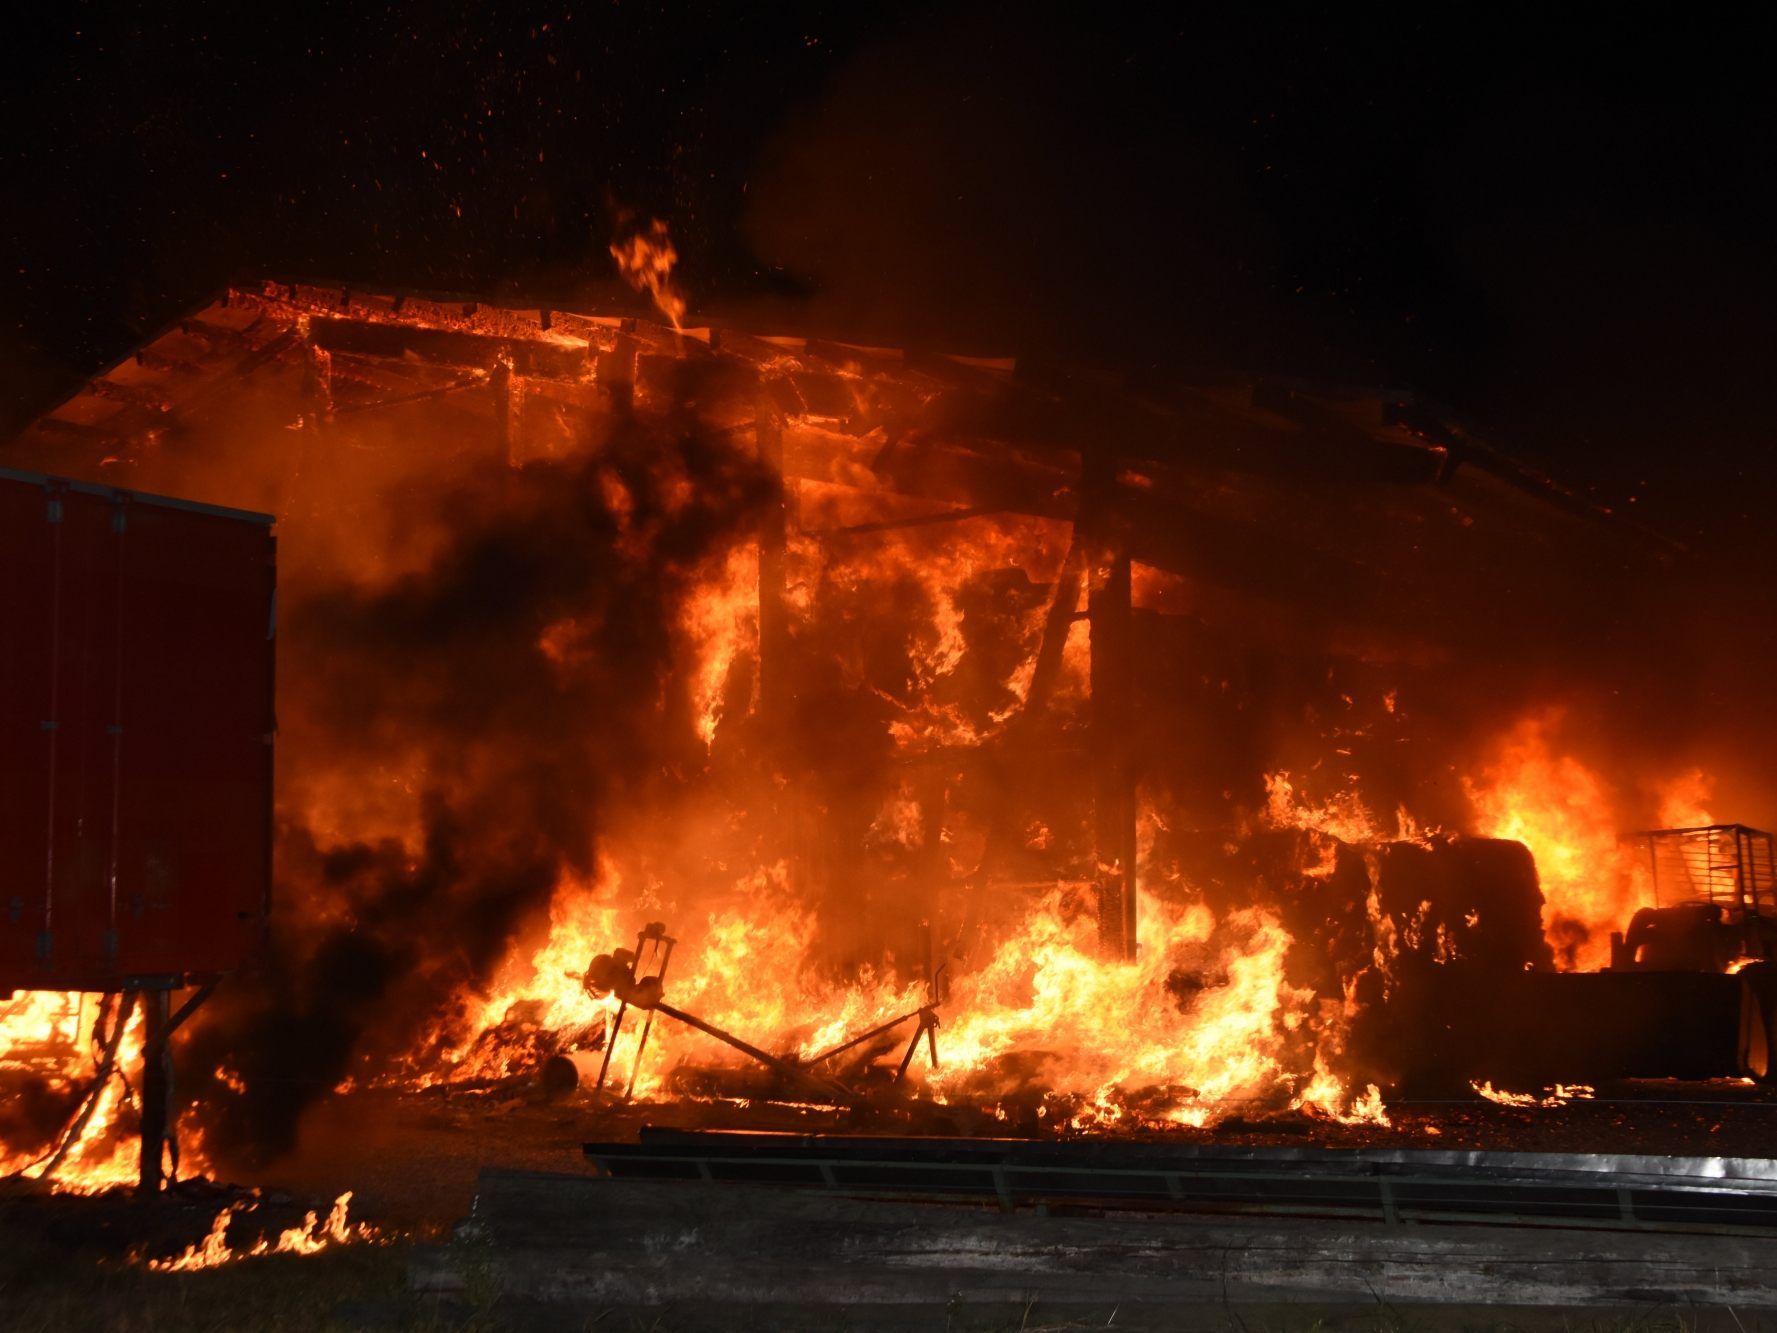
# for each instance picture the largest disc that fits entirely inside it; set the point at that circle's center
(412, 1158)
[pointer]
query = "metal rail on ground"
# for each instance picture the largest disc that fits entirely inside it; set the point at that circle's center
(1711, 1195)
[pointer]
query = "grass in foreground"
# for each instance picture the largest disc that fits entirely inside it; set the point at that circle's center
(45, 1288)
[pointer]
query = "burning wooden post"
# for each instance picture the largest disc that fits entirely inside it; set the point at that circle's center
(1113, 777)
(616, 374)
(317, 379)
(501, 385)
(774, 616)
(157, 1087)
(1110, 616)
(774, 630)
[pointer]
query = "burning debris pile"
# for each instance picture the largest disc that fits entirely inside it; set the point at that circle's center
(72, 1114)
(1045, 719)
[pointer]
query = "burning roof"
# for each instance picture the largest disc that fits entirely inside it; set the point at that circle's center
(1330, 509)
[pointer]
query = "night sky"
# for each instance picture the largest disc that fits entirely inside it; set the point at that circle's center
(1561, 229)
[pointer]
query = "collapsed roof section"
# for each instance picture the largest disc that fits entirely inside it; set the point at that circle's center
(1359, 523)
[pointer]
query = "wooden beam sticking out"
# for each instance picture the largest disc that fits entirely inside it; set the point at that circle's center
(150, 358)
(500, 385)
(917, 521)
(131, 395)
(220, 334)
(1062, 613)
(105, 436)
(317, 385)
(447, 346)
(418, 395)
(266, 353)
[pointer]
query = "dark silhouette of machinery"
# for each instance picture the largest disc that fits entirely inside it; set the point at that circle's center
(1715, 894)
(1690, 991)
(1715, 890)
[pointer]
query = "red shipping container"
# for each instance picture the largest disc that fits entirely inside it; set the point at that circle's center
(137, 638)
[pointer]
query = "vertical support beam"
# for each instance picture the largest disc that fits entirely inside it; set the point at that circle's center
(1114, 806)
(119, 529)
(157, 1087)
(931, 874)
(775, 693)
(317, 380)
(1113, 686)
(774, 615)
(500, 382)
(1009, 781)
(1063, 606)
(317, 408)
(616, 374)
(51, 724)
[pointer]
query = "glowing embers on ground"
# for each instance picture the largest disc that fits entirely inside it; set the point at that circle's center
(1559, 1095)
(313, 1235)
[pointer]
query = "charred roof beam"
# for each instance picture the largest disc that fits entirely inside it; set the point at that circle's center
(447, 347)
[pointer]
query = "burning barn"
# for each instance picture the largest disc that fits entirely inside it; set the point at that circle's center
(1153, 753)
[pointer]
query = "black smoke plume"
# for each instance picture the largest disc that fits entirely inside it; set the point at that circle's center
(457, 671)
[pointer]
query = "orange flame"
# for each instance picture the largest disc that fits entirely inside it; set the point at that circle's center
(722, 621)
(1559, 1095)
(1684, 801)
(41, 1033)
(645, 260)
(1560, 809)
(1115, 1047)
(1343, 816)
(311, 1237)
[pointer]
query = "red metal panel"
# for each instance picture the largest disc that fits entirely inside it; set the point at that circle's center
(136, 660)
